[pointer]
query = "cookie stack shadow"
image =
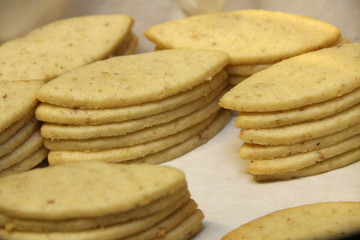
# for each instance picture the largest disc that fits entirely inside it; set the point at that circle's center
(138, 201)
(300, 117)
(149, 107)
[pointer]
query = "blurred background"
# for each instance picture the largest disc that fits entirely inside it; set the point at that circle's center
(19, 16)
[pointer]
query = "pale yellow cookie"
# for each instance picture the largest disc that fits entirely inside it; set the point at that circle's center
(19, 137)
(33, 143)
(57, 114)
(28, 163)
(248, 36)
(61, 46)
(177, 150)
(172, 215)
(300, 132)
(133, 79)
(254, 120)
(174, 225)
(128, 153)
(327, 220)
(327, 165)
(11, 130)
(250, 69)
(59, 131)
(298, 81)
(301, 160)
(85, 189)
(178, 198)
(188, 228)
(134, 138)
(17, 99)
(255, 151)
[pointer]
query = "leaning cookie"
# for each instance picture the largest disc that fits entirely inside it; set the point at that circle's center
(58, 47)
(254, 39)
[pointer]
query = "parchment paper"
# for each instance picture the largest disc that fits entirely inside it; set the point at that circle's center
(216, 176)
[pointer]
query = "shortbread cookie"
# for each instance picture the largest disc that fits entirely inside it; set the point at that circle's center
(328, 108)
(180, 197)
(61, 46)
(173, 225)
(138, 201)
(327, 165)
(128, 153)
(59, 131)
(256, 152)
(16, 126)
(248, 36)
(28, 163)
(117, 231)
(127, 187)
(134, 79)
(33, 143)
(300, 132)
(177, 150)
(57, 114)
(15, 102)
(19, 137)
(188, 228)
(327, 220)
(138, 137)
(298, 81)
(301, 160)
(250, 69)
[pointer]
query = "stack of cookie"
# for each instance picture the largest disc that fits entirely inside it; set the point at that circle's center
(254, 39)
(21, 145)
(28, 62)
(97, 200)
(149, 107)
(300, 117)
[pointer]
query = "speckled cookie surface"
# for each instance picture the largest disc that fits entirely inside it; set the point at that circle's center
(299, 81)
(127, 187)
(41, 54)
(57, 114)
(250, 36)
(134, 79)
(16, 102)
